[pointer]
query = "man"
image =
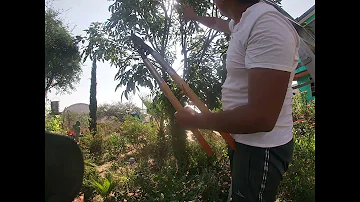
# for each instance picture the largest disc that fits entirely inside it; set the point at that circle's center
(256, 95)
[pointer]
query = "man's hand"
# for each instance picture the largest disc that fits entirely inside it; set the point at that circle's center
(187, 118)
(211, 22)
(189, 13)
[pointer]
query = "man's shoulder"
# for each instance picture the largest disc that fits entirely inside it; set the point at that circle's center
(266, 18)
(265, 11)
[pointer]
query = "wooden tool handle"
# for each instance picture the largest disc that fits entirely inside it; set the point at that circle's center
(203, 142)
(190, 93)
(177, 105)
(229, 139)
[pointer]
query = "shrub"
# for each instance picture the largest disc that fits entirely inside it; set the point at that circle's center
(53, 123)
(108, 127)
(90, 174)
(299, 181)
(114, 145)
(137, 133)
(104, 186)
(92, 147)
(96, 144)
(207, 178)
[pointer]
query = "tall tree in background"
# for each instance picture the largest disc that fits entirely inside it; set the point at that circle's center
(94, 50)
(93, 100)
(62, 56)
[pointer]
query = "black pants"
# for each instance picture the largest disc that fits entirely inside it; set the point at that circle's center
(256, 172)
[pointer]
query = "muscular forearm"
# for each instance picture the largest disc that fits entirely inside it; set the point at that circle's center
(240, 120)
(214, 23)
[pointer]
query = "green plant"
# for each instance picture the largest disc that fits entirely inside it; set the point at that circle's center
(107, 127)
(53, 124)
(206, 184)
(95, 147)
(76, 128)
(115, 145)
(104, 186)
(116, 110)
(90, 173)
(137, 133)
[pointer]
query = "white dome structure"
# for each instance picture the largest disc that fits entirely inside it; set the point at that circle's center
(78, 108)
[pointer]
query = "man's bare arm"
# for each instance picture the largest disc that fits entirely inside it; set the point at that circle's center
(214, 23)
(211, 22)
(267, 90)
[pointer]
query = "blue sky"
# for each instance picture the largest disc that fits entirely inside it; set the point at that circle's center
(79, 14)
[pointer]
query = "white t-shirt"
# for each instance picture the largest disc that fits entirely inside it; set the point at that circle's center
(263, 38)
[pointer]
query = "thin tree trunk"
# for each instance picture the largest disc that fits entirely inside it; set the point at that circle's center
(93, 101)
(178, 139)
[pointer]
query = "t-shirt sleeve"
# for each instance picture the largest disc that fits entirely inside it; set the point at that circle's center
(273, 44)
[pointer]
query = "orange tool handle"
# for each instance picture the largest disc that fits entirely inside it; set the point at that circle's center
(177, 105)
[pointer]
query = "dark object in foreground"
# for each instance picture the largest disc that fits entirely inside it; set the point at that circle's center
(64, 168)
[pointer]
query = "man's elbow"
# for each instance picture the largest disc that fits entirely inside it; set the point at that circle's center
(265, 123)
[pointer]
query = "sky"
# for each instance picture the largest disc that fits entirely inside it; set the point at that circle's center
(79, 14)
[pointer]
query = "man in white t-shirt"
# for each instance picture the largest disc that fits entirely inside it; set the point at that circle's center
(256, 95)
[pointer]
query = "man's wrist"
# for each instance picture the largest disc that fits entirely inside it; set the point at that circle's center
(202, 120)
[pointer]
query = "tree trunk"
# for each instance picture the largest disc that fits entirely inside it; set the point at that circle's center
(93, 101)
(178, 141)
(161, 133)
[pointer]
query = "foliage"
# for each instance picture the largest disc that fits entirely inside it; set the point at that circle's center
(204, 181)
(53, 124)
(62, 56)
(104, 186)
(96, 144)
(108, 128)
(70, 118)
(138, 133)
(95, 51)
(299, 180)
(90, 174)
(204, 54)
(117, 109)
(152, 20)
(114, 145)
(155, 109)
